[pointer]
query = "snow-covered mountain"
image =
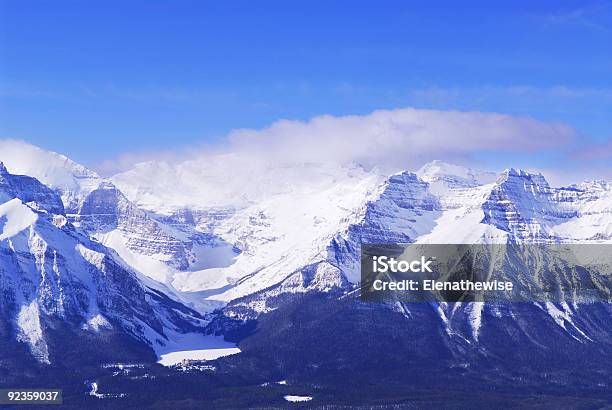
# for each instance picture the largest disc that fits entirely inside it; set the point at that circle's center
(54, 277)
(436, 206)
(228, 227)
(223, 231)
(153, 246)
(289, 218)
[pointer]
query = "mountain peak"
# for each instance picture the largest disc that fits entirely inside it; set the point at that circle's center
(516, 172)
(406, 176)
(532, 178)
(29, 189)
(56, 171)
(440, 166)
(454, 175)
(49, 167)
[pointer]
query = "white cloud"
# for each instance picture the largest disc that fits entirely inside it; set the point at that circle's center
(391, 140)
(399, 138)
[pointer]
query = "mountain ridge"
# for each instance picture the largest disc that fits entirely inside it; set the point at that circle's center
(442, 203)
(245, 243)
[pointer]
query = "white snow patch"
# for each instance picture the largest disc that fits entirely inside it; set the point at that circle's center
(30, 331)
(297, 399)
(561, 317)
(14, 218)
(475, 315)
(94, 392)
(97, 323)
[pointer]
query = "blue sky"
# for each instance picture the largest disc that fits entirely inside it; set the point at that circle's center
(95, 79)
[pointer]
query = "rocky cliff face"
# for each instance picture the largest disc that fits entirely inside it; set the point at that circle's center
(526, 206)
(106, 209)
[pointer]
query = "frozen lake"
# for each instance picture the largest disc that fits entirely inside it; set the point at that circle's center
(196, 347)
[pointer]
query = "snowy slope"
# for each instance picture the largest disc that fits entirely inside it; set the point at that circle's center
(15, 217)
